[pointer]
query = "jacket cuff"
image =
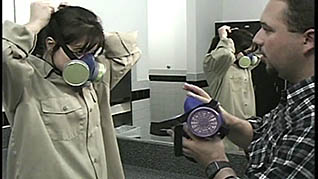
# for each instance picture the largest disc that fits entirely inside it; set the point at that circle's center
(226, 43)
(120, 44)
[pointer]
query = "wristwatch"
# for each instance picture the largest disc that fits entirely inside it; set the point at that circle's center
(214, 167)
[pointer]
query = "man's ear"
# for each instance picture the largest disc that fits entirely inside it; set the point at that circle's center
(309, 41)
(50, 43)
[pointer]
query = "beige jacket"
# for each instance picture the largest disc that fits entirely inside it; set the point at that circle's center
(59, 132)
(229, 84)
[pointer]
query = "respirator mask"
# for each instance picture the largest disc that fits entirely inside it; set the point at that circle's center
(247, 60)
(80, 71)
(204, 120)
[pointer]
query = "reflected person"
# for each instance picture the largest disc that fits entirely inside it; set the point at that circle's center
(227, 67)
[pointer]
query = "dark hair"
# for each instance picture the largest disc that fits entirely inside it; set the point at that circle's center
(70, 25)
(300, 15)
(242, 40)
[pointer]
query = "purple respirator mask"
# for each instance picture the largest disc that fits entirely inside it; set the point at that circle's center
(202, 119)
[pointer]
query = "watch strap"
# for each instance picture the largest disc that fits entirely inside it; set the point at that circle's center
(215, 105)
(214, 167)
(232, 177)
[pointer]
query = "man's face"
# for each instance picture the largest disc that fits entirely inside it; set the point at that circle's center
(281, 49)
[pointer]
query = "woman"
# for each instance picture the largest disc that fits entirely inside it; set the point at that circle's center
(57, 100)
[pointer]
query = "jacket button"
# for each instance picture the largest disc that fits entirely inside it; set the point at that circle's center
(65, 108)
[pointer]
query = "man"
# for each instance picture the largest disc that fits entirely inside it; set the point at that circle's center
(281, 144)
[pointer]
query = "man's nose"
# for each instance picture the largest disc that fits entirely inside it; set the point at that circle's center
(257, 38)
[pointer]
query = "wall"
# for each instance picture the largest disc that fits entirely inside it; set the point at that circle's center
(244, 9)
(8, 11)
(206, 13)
(167, 34)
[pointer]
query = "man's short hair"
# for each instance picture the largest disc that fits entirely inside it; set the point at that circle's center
(299, 15)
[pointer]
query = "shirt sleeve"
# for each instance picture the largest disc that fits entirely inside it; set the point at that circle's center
(293, 155)
(17, 43)
(220, 59)
(121, 53)
(259, 125)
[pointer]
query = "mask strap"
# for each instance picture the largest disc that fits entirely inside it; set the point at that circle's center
(244, 53)
(57, 71)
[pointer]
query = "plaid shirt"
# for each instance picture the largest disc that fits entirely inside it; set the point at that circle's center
(283, 141)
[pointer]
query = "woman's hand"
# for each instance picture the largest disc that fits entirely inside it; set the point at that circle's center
(224, 31)
(40, 14)
(63, 5)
